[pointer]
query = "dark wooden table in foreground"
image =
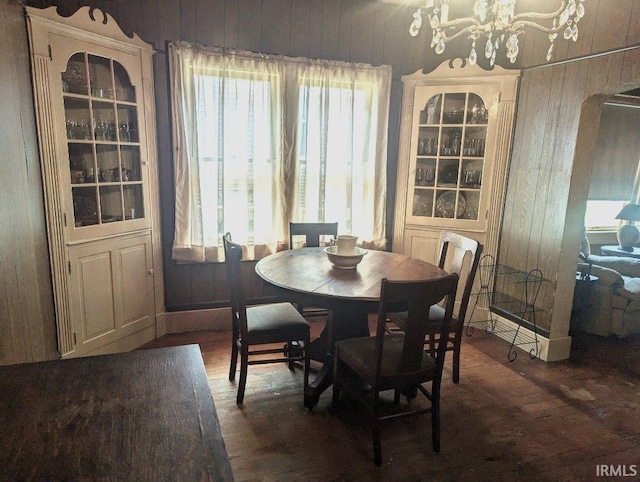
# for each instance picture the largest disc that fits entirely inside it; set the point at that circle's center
(142, 415)
(306, 276)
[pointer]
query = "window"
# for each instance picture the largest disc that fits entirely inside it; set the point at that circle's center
(601, 215)
(261, 141)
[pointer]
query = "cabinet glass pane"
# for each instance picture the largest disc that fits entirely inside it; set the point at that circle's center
(81, 163)
(77, 118)
(454, 108)
(127, 127)
(108, 165)
(423, 202)
(124, 89)
(100, 77)
(104, 121)
(477, 112)
(133, 206)
(74, 78)
(110, 204)
(431, 112)
(130, 157)
(85, 206)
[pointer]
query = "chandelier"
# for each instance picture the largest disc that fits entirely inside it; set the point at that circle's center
(495, 23)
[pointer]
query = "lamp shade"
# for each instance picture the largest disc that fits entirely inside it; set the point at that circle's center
(628, 234)
(631, 212)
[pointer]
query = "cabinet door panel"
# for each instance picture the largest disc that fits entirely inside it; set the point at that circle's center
(135, 283)
(423, 245)
(112, 289)
(93, 303)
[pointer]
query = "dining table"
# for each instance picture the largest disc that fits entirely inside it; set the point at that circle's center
(306, 276)
(140, 415)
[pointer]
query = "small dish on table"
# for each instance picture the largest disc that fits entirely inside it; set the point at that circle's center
(344, 261)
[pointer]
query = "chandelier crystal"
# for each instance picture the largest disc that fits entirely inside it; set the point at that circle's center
(494, 23)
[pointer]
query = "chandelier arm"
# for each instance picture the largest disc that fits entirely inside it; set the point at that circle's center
(524, 23)
(473, 30)
(536, 15)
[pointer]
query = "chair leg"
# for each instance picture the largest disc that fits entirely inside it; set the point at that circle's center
(335, 398)
(456, 362)
(435, 421)
(234, 360)
(375, 428)
(244, 365)
(307, 363)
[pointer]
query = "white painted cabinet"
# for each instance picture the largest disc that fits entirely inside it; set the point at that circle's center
(93, 87)
(454, 142)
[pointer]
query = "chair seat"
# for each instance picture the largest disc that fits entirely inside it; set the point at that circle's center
(274, 323)
(359, 354)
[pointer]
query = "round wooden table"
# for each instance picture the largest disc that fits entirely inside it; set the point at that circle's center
(306, 276)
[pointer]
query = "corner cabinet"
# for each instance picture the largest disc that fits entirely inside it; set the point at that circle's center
(93, 89)
(455, 135)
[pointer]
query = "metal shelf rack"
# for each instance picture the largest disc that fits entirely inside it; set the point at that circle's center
(519, 305)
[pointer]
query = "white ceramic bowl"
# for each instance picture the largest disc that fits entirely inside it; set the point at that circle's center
(344, 261)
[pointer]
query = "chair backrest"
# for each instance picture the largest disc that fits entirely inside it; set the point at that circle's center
(312, 231)
(233, 256)
(418, 296)
(455, 248)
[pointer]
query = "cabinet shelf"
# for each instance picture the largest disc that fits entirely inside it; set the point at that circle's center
(519, 305)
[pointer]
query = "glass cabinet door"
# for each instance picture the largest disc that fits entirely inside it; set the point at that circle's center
(101, 116)
(448, 155)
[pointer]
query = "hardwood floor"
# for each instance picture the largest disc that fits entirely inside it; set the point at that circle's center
(526, 420)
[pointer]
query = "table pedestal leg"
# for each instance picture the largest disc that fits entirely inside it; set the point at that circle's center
(343, 323)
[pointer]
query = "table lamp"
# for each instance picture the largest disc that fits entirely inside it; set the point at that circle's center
(628, 233)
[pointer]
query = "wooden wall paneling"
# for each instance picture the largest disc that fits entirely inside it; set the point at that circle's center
(380, 31)
(169, 24)
(316, 31)
(220, 289)
(547, 179)
(300, 26)
(127, 14)
(612, 22)
(209, 22)
(27, 324)
(149, 22)
(346, 18)
(633, 36)
(250, 25)
(276, 27)
(231, 27)
(202, 282)
(362, 32)
(522, 174)
(630, 71)
(188, 22)
(330, 20)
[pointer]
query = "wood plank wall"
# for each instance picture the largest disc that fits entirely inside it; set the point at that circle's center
(27, 324)
(351, 30)
(552, 155)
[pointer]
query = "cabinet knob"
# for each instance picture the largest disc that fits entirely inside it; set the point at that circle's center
(151, 271)
(145, 163)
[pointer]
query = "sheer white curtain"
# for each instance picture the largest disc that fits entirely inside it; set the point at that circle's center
(263, 140)
(341, 148)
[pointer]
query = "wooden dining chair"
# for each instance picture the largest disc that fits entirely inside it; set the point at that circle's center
(461, 255)
(261, 325)
(312, 233)
(398, 361)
